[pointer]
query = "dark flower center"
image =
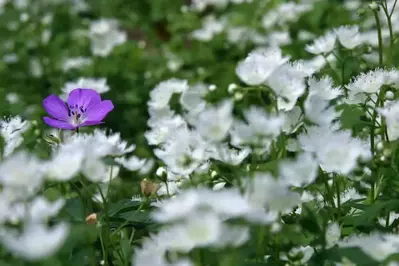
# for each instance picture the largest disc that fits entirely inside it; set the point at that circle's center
(76, 113)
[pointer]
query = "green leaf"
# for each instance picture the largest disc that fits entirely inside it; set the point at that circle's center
(121, 206)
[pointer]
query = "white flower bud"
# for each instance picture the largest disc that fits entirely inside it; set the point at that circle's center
(238, 96)
(387, 152)
(380, 146)
(212, 87)
(214, 174)
(374, 6)
(232, 87)
(389, 95)
(160, 171)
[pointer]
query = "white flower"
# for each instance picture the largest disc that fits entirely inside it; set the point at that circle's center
(163, 128)
(215, 122)
(75, 62)
(293, 120)
(227, 203)
(307, 253)
(259, 65)
(200, 5)
(333, 234)
(161, 94)
(198, 230)
(183, 152)
(36, 241)
(233, 236)
(99, 85)
(369, 82)
(348, 195)
(348, 36)
(392, 217)
(12, 98)
(169, 188)
(323, 44)
(391, 114)
(133, 163)
(65, 164)
(301, 172)
(264, 191)
(40, 209)
(230, 156)
(12, 130)
(111, 145)
(288, 84)
(21, 172)
(284, 13)
(319, 110)
(97, 171)
(336, 151)
(105, 35)
(378, 246)
(210, 27)
(192, 98)
(324, 87)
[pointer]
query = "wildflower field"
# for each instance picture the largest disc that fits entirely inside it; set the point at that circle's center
(199, 132)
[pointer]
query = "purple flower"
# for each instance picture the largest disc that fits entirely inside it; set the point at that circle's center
(83, 108)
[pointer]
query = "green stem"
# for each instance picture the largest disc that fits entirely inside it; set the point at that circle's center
(333, 69)
(328, 193)
(387, 220)
(105, 203)
(337, 188)
(104, 250)
(380, 44)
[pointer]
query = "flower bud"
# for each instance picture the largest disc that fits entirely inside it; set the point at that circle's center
(214, 174)
(238, 96)
(232, 87)
(389, 95)
(212, 87)
(148, 187)
(374, 6)
(161, 171)
(387, 153)
(52, 140)
(91, 219)
(380, 146)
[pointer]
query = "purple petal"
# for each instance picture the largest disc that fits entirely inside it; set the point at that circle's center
(85, 98)
(56, 107)
(57, 123)
(99, 111)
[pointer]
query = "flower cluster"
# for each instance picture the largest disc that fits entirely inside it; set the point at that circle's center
(209, 132)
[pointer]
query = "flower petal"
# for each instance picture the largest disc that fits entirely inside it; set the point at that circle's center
(57, 123)
(99, 111)
(85, 98)
(56, 107)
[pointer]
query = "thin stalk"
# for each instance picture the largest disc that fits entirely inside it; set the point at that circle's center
(387, 220)
(105, 251)
(391, 37)
(337, 188)
(393, 8)
(330, 66)
(380, 44)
